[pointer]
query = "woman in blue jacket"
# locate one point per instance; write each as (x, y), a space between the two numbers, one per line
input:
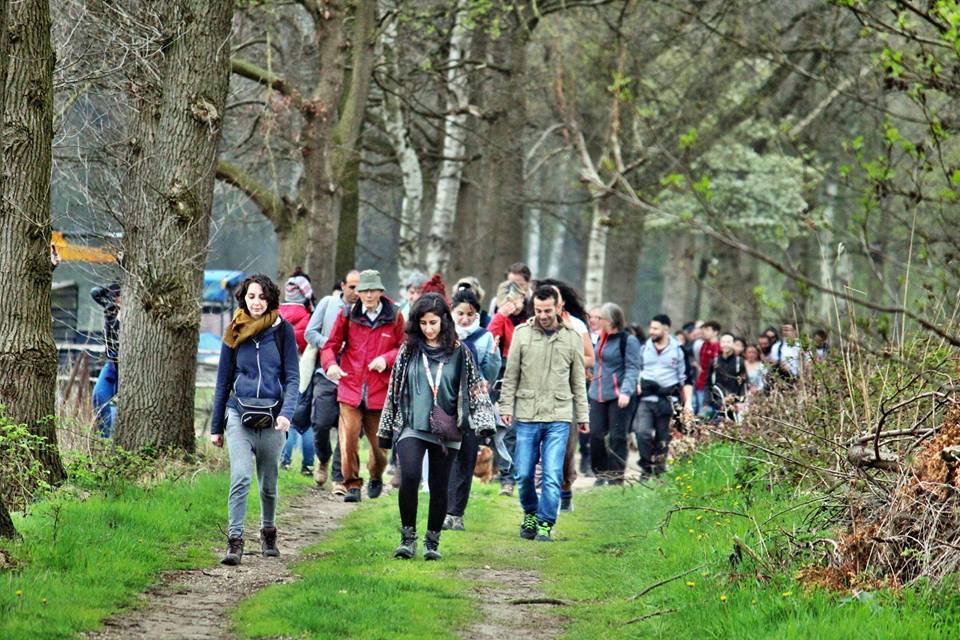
(611, 393)
(257, 388)
(486, 354)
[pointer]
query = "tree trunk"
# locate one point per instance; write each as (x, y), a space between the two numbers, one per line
(679, 275)
(166, 221)
(501, 193)
(349, 218)
(398, 132)
(732, 301)
(454, 145)
(28, 355)
(6, 522)
(596, 254)
(334, 125)
(623, 261)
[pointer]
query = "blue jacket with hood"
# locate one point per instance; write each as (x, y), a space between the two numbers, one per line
(260, 372)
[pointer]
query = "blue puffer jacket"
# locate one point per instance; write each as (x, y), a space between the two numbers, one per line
(259, 373)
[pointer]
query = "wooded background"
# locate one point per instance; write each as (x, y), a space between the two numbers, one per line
(741, 160)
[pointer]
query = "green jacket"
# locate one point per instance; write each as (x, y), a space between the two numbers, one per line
(545, 381)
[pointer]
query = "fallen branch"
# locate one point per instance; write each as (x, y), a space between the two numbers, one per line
(559, 603)
(663, 582)
(661, 612)
(862, 457)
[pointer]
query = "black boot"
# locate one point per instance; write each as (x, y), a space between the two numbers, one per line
(408, 543)
(431, 545)
(234, 551)
(268, 542)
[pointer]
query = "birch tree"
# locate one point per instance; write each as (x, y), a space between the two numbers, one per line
(396, 125)
(28, 355)
(454, 144)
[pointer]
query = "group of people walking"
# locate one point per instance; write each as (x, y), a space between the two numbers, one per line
(427, 382)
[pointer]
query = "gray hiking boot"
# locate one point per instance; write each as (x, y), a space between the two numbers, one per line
(453, 523)
(268, 542)
(431, 545)
(234, 552)
(408, 543)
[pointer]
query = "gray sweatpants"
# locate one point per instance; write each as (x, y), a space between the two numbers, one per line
(244, 446)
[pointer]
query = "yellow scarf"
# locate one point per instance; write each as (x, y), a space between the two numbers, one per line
(243, 327)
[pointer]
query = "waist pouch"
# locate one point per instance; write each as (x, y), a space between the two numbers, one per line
(258, 413)
(443, 425)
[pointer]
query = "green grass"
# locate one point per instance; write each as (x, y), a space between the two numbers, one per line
(608, 550)
(82, 559)
(616, 550)
(357, 590)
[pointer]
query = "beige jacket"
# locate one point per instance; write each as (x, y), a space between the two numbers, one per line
(545, 381)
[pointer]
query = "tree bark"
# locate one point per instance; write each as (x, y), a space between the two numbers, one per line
(454, 145)
(167, 204)
(680, 274)
(398, 132)
(333, 124)
(597, 254)
(501, 193)
(7, 529)
(28, 355)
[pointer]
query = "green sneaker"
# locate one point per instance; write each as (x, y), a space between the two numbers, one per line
(528, 528)
(543, 532)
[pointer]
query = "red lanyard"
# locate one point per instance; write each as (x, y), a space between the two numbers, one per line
(435, 388)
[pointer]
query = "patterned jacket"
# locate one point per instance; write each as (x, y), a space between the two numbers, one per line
(474, 409)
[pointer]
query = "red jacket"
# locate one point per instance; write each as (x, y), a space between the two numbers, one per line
(708, 353)
(502, 327)
(297, 315)
(358, 342)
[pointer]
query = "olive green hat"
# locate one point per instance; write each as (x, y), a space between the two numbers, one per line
(370, 280)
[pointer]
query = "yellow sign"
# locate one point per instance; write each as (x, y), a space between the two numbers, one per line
(76, 253)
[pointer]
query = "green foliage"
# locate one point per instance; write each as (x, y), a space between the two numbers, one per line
(741, 190)
(21, 467)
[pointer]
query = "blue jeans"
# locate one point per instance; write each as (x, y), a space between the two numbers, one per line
(293, 436)
(103, 393)
(698, 401)
(546, 442)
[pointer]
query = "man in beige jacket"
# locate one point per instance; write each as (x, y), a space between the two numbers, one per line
(544, 390)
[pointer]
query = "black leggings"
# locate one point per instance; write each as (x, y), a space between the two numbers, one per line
(461, 475)
(410, 452)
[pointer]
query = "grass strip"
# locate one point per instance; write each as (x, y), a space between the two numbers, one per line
(81, 558)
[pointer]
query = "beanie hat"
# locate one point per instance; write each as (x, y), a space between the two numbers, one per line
(298, 290)
(435, 285)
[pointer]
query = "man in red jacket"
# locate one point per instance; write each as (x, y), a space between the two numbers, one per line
(366, 337)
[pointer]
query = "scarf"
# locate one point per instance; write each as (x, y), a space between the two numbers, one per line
(243, 327)
(465, 332)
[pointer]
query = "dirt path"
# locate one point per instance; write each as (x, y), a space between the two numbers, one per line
(194, 604)
(511, 605)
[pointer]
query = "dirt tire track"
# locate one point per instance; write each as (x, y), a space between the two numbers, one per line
(195, 604)
(494, 591)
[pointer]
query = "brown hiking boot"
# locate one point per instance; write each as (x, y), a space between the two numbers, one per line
(234, 552)
(268, 542)
(320, 474)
